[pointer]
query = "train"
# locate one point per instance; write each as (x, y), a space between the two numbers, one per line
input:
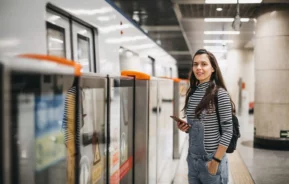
(94, 33)
(86, 96)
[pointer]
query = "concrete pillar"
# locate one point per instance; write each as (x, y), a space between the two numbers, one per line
(272, 75)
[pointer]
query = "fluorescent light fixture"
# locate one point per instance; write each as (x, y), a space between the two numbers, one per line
(219, 9)
(159, 42)
(232, 1)
(219, 41)
(224, 19)
(215, 49)
(222, 32)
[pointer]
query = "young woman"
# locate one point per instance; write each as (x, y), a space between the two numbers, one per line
(207, 161)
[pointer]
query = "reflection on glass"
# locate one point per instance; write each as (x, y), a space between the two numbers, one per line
(83, 51)
(92, 132)
(39, 147)
(55, 40)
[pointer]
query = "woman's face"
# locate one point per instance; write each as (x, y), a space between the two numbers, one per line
(202, 68)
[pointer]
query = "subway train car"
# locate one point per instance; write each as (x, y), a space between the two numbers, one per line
(93, 33)
(85, 96)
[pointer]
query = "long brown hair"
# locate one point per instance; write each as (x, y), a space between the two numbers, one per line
(216, 82)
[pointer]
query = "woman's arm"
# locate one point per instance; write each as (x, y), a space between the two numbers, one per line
(225, 113)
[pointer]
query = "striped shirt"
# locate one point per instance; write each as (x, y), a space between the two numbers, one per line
(212, 136)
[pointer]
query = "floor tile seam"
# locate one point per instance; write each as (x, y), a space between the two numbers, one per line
(240, 157)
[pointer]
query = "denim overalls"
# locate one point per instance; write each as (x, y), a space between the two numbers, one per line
(198, 158)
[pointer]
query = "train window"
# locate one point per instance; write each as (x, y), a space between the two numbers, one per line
(55, 40)
(58, 35)
(83, 51)
(82, 37)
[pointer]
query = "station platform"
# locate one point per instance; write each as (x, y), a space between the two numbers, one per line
(247, 164)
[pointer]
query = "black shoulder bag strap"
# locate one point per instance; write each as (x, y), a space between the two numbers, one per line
(217, 111)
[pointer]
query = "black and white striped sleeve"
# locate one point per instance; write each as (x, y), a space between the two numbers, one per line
(225, 113)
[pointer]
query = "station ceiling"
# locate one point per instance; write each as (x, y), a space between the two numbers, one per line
(179, 26)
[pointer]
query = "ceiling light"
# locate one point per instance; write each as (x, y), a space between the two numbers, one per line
(232, 1)
(219, 41)
(219, 9)
(221, 32)
(159, 42)
(224, 19)
(216, 49)
(220, 47)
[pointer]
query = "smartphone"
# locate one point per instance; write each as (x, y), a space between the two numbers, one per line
(177, 119)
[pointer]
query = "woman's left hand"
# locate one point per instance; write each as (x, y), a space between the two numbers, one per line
(213, 167)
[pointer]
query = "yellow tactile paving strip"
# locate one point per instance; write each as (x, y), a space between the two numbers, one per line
(239, 172)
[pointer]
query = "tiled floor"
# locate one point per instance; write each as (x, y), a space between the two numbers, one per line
(265, 166)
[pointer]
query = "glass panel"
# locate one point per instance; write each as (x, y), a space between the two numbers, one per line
(83, 51)
(165, 126)
(93, 131)
(82, 37)
(55, 40)
(41, 106)
(58, 35)
(121, 131)
(153, 129)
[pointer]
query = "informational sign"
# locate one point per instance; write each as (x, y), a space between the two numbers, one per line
(49, 145)
(284, 134)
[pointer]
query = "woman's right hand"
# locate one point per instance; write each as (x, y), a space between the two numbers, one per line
(183, 126)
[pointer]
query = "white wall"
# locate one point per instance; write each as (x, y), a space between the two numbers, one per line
(239, 64)
(249, 75)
